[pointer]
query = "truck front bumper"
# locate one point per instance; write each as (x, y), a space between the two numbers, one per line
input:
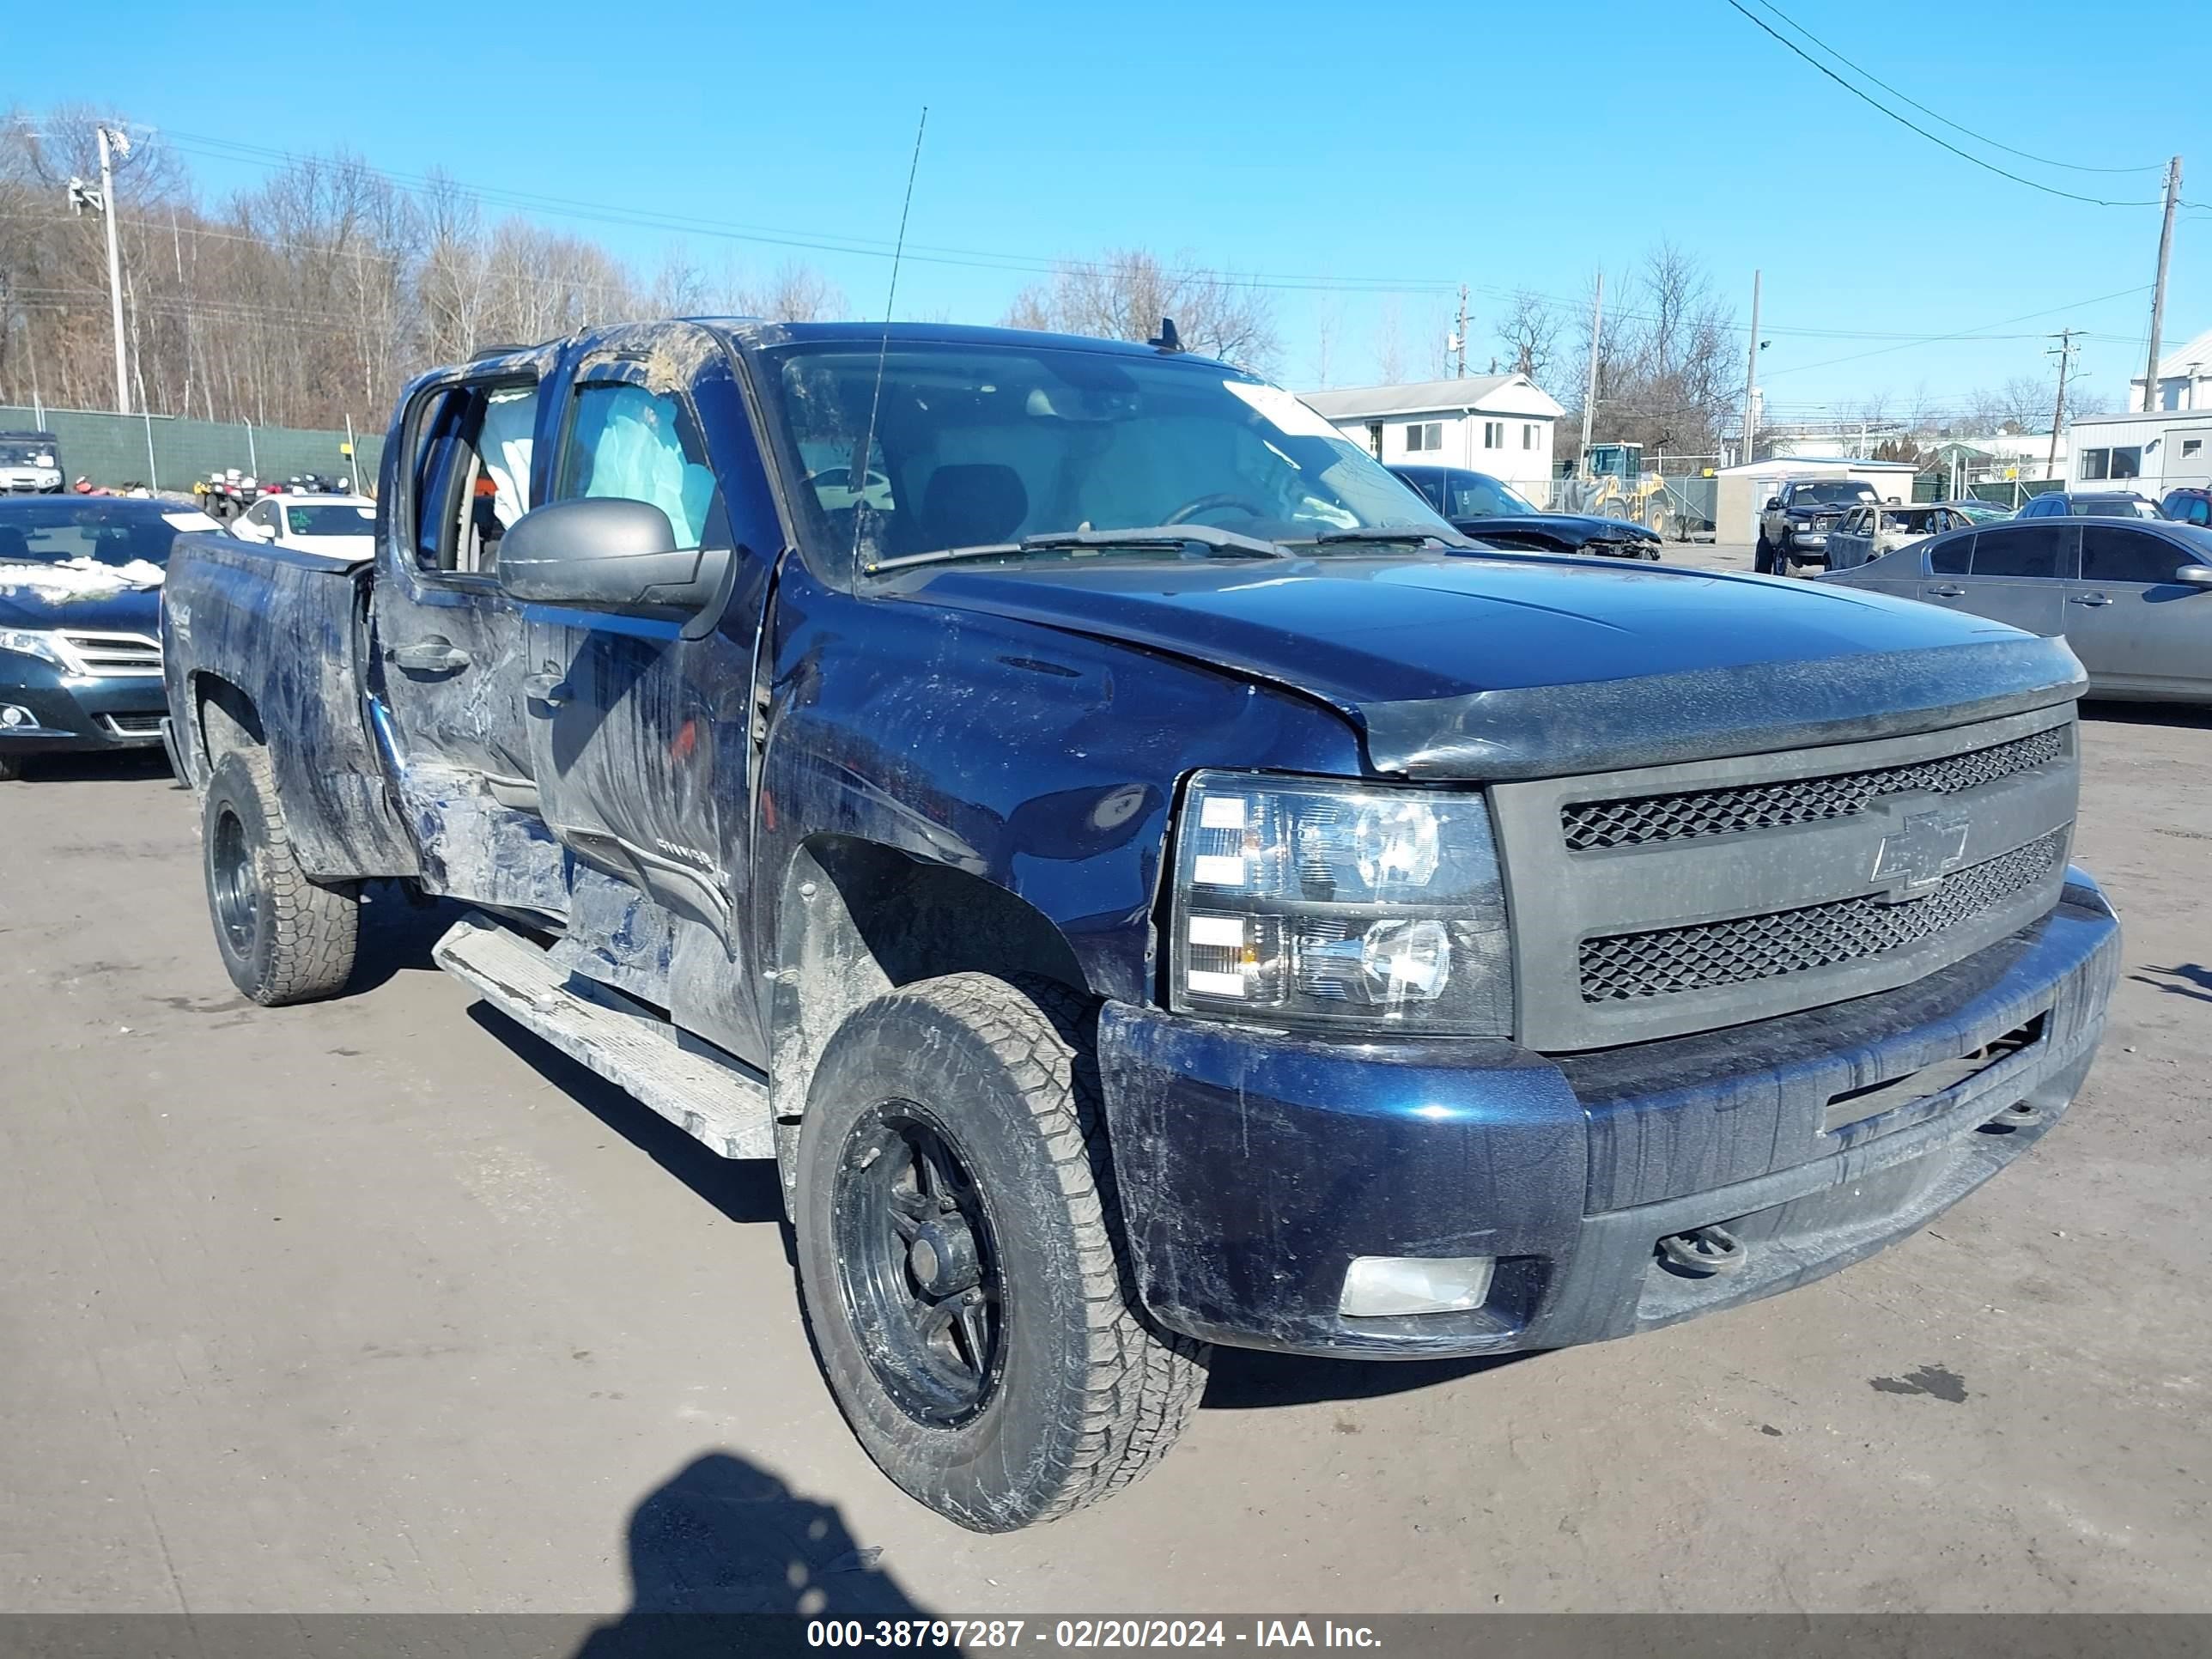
(1253, 1166)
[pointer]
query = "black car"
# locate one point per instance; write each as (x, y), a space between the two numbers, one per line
(80, 609)
(2089, 504)
(1479, 506)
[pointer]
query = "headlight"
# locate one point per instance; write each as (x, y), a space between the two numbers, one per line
(1340, 904)
(37, 642)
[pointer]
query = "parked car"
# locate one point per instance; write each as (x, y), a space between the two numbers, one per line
(1794, 525)
(2089, 504)
(1867, 532)
(2131, 598)
(1483, 507)
(2188, 505)
(342, 526)
(79, 587)
(30, 463)
(1152, 883)
(1980, 512)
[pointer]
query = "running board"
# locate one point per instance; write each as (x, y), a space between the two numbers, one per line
(711, 1098)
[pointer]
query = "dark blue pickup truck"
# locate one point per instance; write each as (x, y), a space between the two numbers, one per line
(1147, 881)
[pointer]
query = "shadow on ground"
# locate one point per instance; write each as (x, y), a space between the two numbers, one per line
(724, 1541)
(1244, 1380)
(100, 766)
(2190, 979)
(745, 1190)
(2188, 716)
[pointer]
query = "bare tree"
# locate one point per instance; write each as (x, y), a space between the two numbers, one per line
(1529, 332)
(793, 292)
(1390, 345)
(1669, 368)
(1124, 293)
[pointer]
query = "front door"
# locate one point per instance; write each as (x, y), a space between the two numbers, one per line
(446, 681)
(639, 724)
(2134, 626)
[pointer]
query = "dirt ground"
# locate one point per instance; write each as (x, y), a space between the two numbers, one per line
(379, 1305)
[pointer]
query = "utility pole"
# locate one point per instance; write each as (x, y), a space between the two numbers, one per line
(2158, 293)
(1751, 378)
(118, 140)
(2064, 352)
(1589, 390)
(1459, 337)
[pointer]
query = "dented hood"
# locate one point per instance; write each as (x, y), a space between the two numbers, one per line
(1504, 665)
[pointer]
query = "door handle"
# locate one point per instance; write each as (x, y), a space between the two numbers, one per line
(433, 655)
(1946, 591)
(2087, 598)
(550, 689)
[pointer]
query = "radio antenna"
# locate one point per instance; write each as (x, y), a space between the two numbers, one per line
(857, 479)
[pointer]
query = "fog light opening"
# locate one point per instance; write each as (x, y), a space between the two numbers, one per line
(14, 716)
(1383, 1287)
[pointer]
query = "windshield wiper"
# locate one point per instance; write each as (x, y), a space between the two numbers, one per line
(1220, 543)
(1389, 532)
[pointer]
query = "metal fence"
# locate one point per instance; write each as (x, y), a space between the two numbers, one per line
(167, 451)
(1674, 506)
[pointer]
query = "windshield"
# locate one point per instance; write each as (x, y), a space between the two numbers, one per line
(329, 519)
(16, 451)
(113, 533)
(982, 443)
(1832, 494)
(1476, 495)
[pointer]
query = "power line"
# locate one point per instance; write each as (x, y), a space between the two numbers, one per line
(1979, 137)
(1865, 97)
(1963, 333)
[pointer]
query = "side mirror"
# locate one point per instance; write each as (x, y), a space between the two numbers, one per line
(605, 553)
(2197, 575)
(1773, 503)
(1892, 500)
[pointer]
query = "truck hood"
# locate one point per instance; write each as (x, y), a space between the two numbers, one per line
(1501, 665)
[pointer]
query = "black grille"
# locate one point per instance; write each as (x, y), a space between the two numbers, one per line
(1709, 955)
(1589, 825)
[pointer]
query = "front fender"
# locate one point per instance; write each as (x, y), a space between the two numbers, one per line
(1041, 761)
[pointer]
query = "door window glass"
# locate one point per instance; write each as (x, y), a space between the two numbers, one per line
(470, 474)
(628, 442)
(2112, 553)
(2027, 549)
(1950, 556)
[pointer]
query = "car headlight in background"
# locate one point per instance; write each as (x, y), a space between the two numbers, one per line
(1341, 903)
(40, 643)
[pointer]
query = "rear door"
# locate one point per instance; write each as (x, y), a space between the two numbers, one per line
(2134, 626)
(2018, 574)
(447, 679)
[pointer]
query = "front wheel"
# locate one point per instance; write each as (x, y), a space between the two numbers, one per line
(955, 1215)
(283, 937)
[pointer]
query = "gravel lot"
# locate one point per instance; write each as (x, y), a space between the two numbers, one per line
(379, 1305)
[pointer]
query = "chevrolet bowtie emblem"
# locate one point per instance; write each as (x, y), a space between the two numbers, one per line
(1914, 858)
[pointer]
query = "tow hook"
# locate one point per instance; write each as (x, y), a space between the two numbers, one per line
(2021, 1115)
(1705, 1252)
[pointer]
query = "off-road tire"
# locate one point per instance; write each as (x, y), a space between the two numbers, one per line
(301, 940)
(1762, 557)
(1091, 1394)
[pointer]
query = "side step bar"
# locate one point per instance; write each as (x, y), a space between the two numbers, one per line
(711, 1097)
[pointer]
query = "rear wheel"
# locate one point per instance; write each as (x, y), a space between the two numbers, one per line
(1762, 556)
(282, 937)
(11, 767)
(955, 1217)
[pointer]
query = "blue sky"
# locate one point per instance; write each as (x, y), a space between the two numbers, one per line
(1500, 145)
